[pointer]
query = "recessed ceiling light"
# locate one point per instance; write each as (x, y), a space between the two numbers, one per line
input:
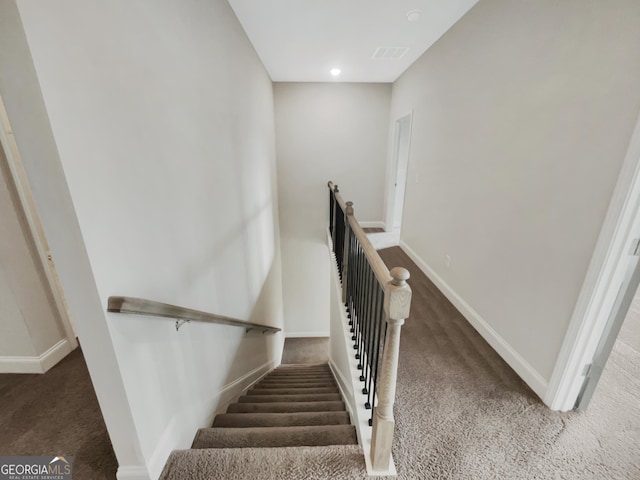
(335, 72)
(414, 15)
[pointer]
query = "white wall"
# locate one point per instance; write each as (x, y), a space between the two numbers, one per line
(27, 113)
(163, 119)
(324, 131)
(522, 114)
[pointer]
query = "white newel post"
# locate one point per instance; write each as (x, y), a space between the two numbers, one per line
(345, 258)
(397, 303)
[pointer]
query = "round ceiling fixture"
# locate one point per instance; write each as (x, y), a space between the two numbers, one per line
(414, 15)
(335, 72)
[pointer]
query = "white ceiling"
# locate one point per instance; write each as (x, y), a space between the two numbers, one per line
(301, 40)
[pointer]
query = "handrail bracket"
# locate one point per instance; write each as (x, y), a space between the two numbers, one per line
(181, 322)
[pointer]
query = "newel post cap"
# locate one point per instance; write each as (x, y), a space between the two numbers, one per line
(349, 208)
(400, 276)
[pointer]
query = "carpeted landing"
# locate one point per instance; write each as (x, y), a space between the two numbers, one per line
(293, 421)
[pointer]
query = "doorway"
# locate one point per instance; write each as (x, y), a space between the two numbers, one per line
(607, 293)
(625, 312)
(15, 176)
(398, 173)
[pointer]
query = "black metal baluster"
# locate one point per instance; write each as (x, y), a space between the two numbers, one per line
(338, 247)
(383, 336)
(358, 304)
(354, 296)
(378, 319)
(351, 279)
(361, 316)
(331, 212)
(375, 288)
(364, 317)
(367, 329)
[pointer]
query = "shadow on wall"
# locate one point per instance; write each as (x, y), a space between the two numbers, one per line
(254, 233)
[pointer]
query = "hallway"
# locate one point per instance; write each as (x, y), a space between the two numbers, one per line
(462, 413)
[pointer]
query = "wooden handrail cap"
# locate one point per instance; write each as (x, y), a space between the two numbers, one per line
(400, 275)
(349, 208)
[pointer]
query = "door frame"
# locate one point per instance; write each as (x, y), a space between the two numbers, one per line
(601, 286)
(394, 158)
(19, 178)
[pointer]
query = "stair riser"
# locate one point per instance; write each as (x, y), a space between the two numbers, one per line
(281, 386)
(245, 420)
(275, 437)
(291, 391)
(295, 385)
(331, 397)
(298, 379)
(318, 372)
(284, 407)
(301, 370)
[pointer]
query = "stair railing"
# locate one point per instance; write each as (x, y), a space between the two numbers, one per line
(377, 302)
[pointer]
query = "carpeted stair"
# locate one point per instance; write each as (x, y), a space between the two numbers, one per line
(292, 408)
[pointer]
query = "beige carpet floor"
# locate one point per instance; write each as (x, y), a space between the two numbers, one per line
(462, 413)
(57, 414)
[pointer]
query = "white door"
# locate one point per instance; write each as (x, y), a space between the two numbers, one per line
(401, 162)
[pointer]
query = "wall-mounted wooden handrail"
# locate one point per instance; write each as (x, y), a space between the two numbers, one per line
(141, 306)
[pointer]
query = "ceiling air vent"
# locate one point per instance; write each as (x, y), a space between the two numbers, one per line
(391, 53)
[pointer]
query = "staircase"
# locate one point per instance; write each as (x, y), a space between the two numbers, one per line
(291, 409)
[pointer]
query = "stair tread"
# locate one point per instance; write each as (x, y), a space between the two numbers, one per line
(286, 463)
(280, 419)
(275, 436)
(286, 407)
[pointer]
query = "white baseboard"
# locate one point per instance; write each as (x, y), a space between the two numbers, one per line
(132, 473)
(372, 225)
(344, 391)
(306, 334)
(529, 374)
(230, 392)
(56, 353)
(181, 429)
(39, 364)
